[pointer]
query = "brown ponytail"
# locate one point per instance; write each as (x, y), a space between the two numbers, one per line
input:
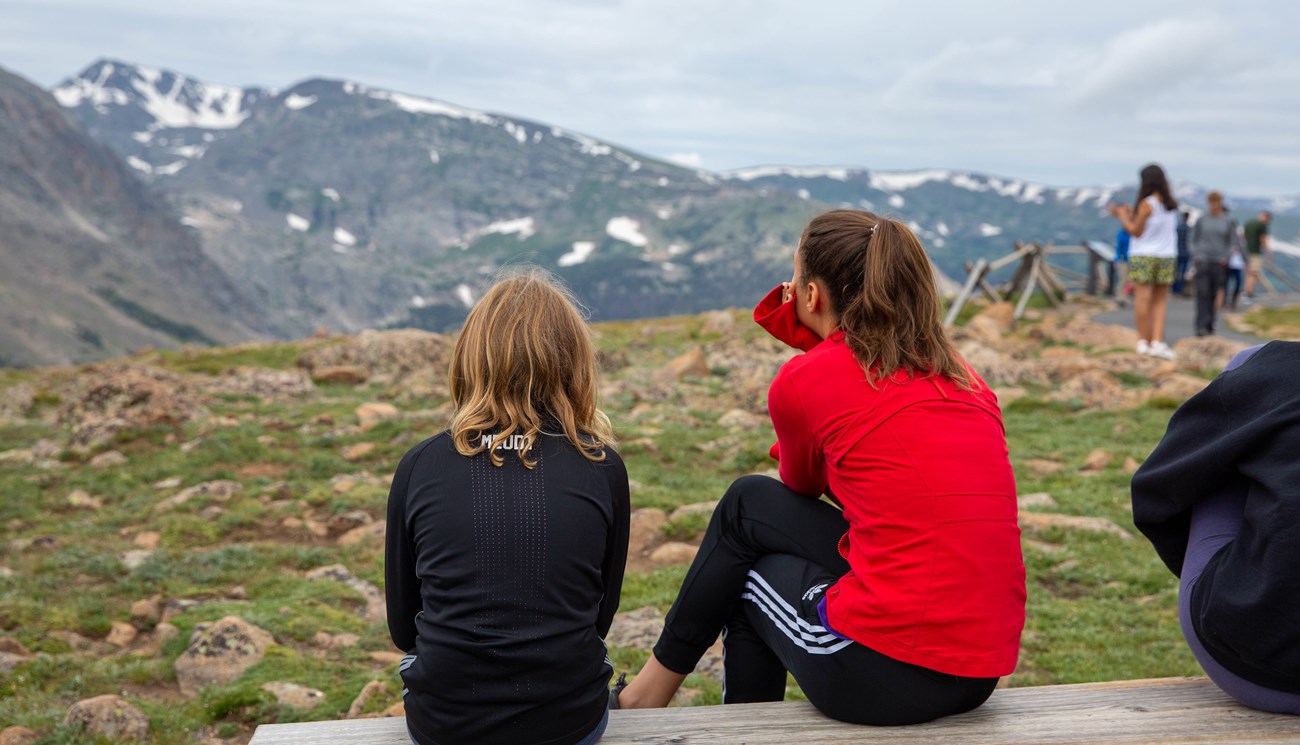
(881, 286)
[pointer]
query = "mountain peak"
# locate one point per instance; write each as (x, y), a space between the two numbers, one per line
(147, 98)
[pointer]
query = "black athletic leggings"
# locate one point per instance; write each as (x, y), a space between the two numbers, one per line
(768, 556)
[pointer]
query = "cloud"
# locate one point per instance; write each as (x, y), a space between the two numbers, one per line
(1145, 63)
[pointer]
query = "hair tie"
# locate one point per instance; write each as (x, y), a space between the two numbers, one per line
(872, 232)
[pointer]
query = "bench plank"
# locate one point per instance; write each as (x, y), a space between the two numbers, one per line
(1166, 710)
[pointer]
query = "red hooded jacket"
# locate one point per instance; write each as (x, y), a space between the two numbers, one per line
(922, 472)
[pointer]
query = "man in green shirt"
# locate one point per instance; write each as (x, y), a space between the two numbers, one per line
(1257, 250)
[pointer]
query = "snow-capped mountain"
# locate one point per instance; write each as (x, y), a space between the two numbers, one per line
(349, 206)
(158, 119)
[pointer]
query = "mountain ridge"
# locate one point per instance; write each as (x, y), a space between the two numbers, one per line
(332, 203)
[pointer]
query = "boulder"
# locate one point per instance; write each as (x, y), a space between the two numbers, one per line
(674, 552)
(1206, 353)
(220, 490)
(373, 690)
(81, 500)
(220, 654)
(1035, 500)
(122, 634)
(693, 363)
(993, 322)
(147, 612)
(114, 398)
(261, 383)
(358, 450)
(326, 640)
(739, 419)
(644, 531)
(16, 735)
(1095, 390)
(371, 532)
(1042, 467)
(385, 356)
(340, 375)
(108, 716)
(148, 539)
(376, 610)
(294, 695)
(697, 508)
(108, 459)
(371, 413)
(1041, 520)
(1096, 461)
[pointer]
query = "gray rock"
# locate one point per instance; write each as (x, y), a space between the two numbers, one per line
(108, 716)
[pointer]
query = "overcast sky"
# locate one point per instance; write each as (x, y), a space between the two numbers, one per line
(1080, 93)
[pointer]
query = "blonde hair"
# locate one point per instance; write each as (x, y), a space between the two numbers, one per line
(525, 354)
(882, 289)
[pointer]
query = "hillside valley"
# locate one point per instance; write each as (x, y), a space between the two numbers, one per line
(160, 505)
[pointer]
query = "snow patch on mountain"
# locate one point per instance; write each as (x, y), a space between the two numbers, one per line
(465, 295)
(896, 201)
(901, 181)
(514, 130)
(750, 174)
(344, 238)
(627, 230)
(524, 227)
(988, 231)
(297, 102)
(418, 105)
(579, 253)
(139, 165)
(297, 222)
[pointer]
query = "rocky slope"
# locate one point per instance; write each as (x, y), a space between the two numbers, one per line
(95, 263)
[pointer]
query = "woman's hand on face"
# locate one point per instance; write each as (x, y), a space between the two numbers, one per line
(787, 292)
(1120, 210)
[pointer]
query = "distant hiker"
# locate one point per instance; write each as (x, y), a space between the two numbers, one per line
(1258, 251)
(1213, 238)
(1184, 256)
(1218, 498)
(906, 602)
(1153, 254)
(1236, 277)
(1119, 268)
(507, 535)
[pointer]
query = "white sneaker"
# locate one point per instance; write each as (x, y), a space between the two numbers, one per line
(1161, 350)
(1143, 347)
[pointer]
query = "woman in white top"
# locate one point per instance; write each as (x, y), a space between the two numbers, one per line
(1153, 253)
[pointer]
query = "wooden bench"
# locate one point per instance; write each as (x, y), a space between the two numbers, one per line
(1165, 710)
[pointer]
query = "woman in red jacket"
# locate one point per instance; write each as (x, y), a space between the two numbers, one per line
(904, 600)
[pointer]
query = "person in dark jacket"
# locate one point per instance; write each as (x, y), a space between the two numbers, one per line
(507, 535)
(1219, 498)
(1184, 256)
(1213, 239)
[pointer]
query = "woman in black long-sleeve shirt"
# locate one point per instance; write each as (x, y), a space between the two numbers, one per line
(507, 535)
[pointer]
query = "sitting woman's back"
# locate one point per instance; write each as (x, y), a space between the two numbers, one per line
(507, 535)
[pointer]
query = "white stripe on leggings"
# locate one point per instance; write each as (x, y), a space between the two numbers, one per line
(784, 616)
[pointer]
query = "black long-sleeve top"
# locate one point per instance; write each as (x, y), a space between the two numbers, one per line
(503, 581)
(1241, 434)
